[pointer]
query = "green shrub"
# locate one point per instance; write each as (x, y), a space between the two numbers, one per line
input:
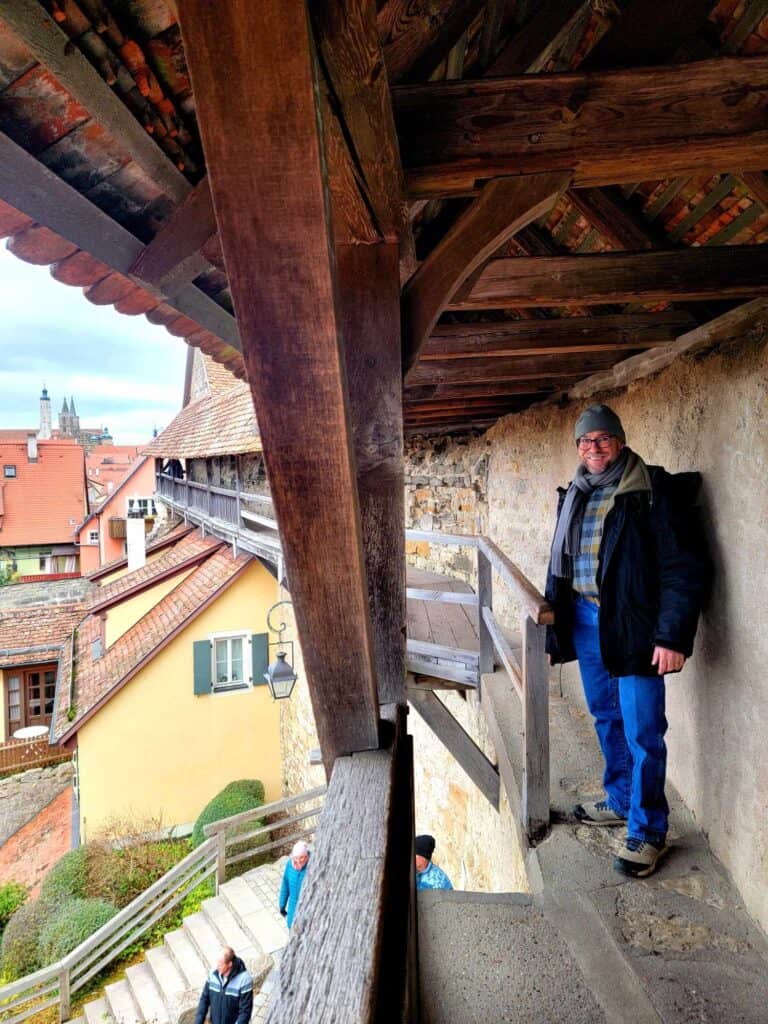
(124, 860)
(12, 895)
(67, 879)
(243, 795)
(18, 953)
(68, 926)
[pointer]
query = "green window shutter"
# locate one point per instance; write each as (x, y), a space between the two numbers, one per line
(259, 658)
(202, 660)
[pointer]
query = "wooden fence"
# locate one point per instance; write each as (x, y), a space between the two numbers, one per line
(529, 673)
(20, 755)
(56, 984)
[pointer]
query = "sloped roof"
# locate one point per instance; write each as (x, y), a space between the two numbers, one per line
(190, 548)
(110, 463)
(36, 634)
(162, 540)
(96, 681)
(45, 502)
(222, 423)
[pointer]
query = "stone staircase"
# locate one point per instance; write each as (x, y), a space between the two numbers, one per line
(164, 988)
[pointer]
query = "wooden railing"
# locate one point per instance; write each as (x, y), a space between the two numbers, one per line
(226, 504)
(529, 673)
(56, 984)
(19, 755)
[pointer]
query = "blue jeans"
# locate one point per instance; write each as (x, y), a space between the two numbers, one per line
(630, 724)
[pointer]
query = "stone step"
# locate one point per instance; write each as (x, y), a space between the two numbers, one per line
(241, 900)
(98, 1012)
(256, 911)
(169, 980)
(122, 1004)
(203, 936)
(229, 929)
(186, 958)
(146, 993)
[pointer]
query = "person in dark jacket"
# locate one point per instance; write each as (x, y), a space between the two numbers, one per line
(228, 992)
(627, 577)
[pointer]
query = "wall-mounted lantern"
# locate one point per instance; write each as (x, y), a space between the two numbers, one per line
(280, 675)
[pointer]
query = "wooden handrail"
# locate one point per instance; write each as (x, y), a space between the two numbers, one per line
(259, 812)
(534, 602)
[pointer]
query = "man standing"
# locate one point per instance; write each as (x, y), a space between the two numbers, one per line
(626, 579)
(428, 875)
(228, 992)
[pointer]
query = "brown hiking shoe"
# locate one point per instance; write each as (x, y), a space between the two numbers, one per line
(639, 857)
(597, 812)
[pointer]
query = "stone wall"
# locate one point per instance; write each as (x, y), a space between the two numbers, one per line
(708, 413)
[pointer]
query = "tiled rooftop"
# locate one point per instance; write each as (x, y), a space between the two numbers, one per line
(39, 626)
(45, 502)
(163, 539)
(99, 679)
(222, 423)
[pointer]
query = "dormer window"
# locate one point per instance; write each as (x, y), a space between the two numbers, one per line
(9, 472)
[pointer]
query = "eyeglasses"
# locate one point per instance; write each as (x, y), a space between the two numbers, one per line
(604, 441)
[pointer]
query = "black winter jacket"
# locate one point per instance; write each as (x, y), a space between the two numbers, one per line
(229, 999)
(652, 576)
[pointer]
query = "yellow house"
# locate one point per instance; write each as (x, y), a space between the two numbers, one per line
(162, 691)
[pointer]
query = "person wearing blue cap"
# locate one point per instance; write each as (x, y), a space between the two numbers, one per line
(627, 576)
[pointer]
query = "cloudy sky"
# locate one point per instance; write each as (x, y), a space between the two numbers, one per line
(123, 372)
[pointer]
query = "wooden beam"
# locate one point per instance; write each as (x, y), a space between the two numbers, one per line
(369, 296)
(458, 371)
(416, 37)
(726, 272)
(271, 206)
(746, 321)
(561, 334)
(352, 60)
(450, 426)
(458, 742)
(505, 206)
(498, 403)
(464, 391)
(174, 251)
(530, 48)
(606, 127)
(649, 33)
(347, 959)
(31, 188)
(54, 50)
(614, 220)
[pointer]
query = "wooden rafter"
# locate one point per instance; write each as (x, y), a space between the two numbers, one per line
(531, 47)
(174, 251)
(649, 33)
(271, 208)
(416, 37)
(607, 127)
(689, 274)
(509, 369)
(505, 206)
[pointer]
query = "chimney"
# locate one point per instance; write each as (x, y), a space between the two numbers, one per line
(32, 447)
(134, 541)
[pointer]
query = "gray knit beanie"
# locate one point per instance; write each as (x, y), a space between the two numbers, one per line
(599, 417)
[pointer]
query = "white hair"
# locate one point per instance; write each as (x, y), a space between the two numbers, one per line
(299, 849)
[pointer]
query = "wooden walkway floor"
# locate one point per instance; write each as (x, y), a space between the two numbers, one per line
(451, 625)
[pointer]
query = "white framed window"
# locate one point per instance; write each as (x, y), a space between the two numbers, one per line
(9, 472)
(93, 536)
(230, 660)
(144, 506)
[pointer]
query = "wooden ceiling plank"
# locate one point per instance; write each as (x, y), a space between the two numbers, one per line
(747, 320)
(648, 32)
(474, 390)
(505, 206)
(531, 47)
(695, 274)
(613, 220)
(28, 20)
(174, 251)
(271, 207)
(479, 371)
(607, 127)
(416, 37)
(30, 187)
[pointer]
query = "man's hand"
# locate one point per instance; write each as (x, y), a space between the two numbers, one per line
(667, 661)
(283, 912)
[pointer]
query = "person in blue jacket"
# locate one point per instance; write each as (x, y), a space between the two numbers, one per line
(228, 992)
(428, 875)
(293, 879)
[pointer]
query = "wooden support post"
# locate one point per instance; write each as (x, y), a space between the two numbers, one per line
(271, 204)
(484, 600)
(221, 858)
(65, 994)
(369, 296)
(536, 724)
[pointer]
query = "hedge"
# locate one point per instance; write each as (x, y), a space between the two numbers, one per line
(71, 925)
(242, 795)
(67, 879)
(19, 952)
(12, 895)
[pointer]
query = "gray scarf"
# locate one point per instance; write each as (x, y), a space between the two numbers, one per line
(567, 540)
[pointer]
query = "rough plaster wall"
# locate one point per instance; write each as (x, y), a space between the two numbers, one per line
(476, 846)
(706, 413)
(298, 734)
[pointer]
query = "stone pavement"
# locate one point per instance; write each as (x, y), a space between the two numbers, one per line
(29, 855)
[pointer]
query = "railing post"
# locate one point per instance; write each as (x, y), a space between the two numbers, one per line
(536, 722)
(65, 997)
(221, 858)
(484, 600)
